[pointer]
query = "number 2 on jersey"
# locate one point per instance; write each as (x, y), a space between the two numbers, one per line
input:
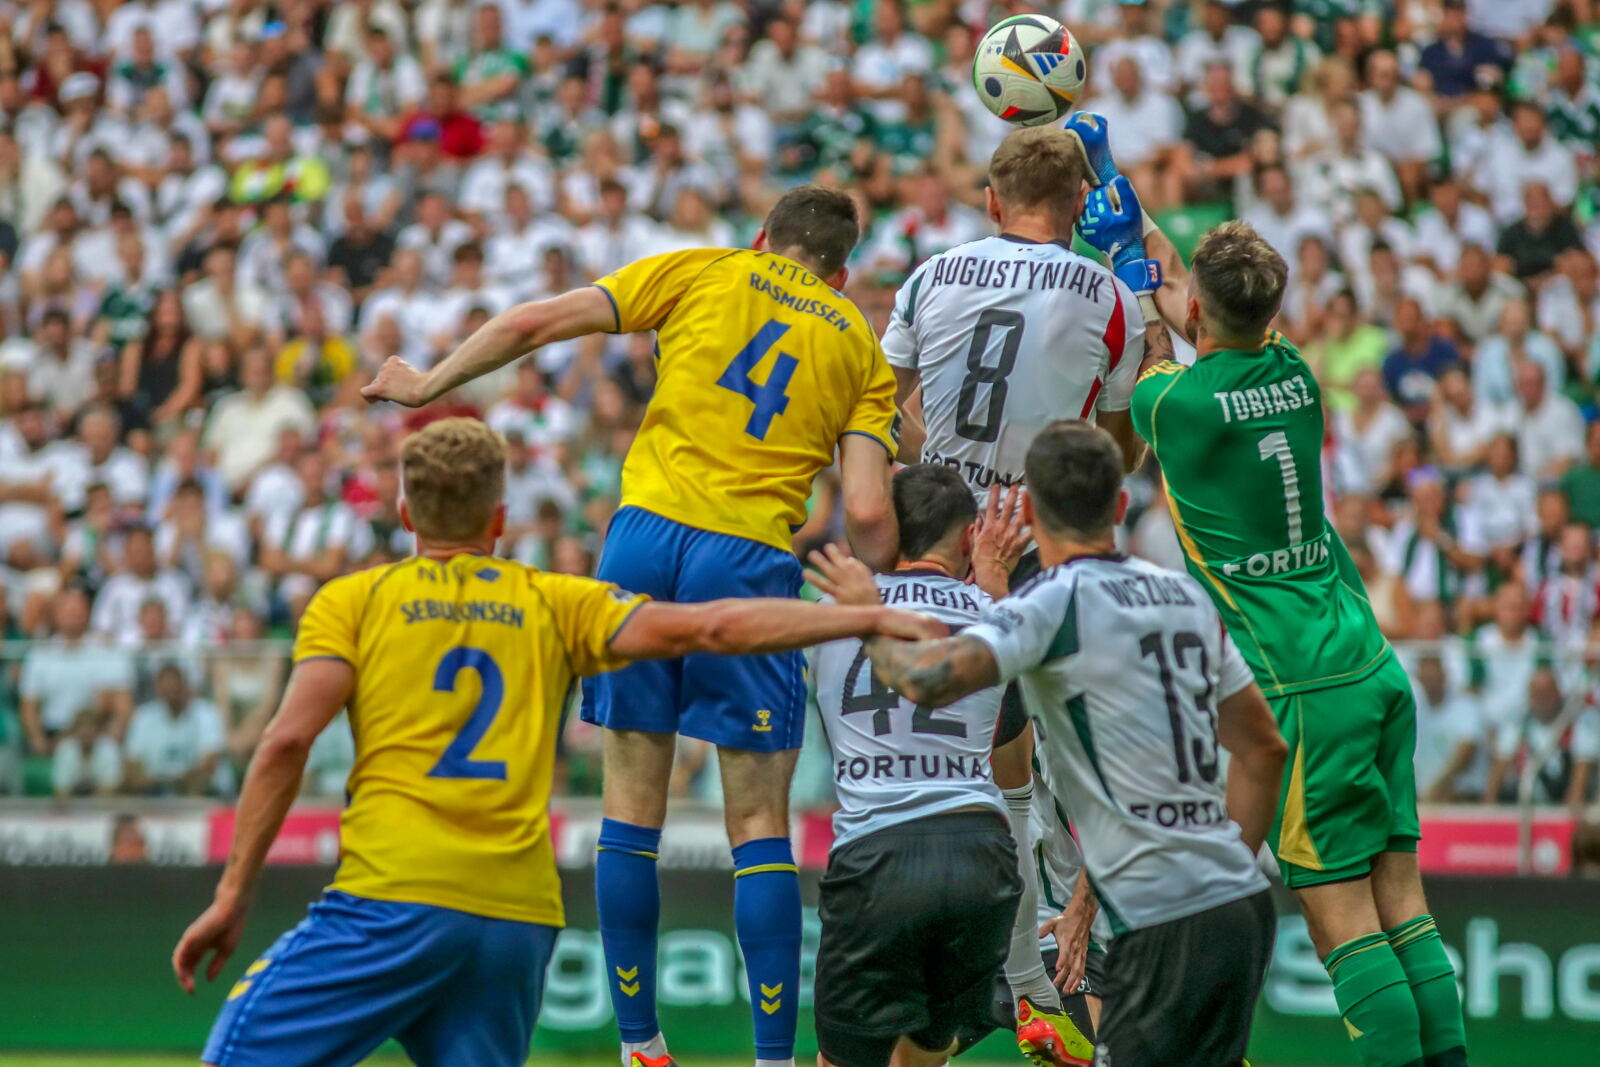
(457, 761)
(1276, 446)
(770, 397)
(881, 700)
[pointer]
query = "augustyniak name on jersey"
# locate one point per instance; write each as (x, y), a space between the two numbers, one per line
(1082, 277)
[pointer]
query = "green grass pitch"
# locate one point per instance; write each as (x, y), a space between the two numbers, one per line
(99, 1060)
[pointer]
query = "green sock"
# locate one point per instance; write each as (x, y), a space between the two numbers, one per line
(1433, 985)
(1376, 1003)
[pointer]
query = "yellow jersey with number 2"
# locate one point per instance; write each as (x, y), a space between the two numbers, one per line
(760, 369)
(462, 669)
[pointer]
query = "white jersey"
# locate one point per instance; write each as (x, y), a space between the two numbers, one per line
(1124, 716)
(893, 760)
(1059, 861)
(1007, 336)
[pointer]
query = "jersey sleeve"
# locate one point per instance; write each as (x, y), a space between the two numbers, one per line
(1147, 393)
(1027, 629)
(1234, 676)
(900, 339)
(588, 614)
(330, 627)
(874, 414)
(1124, 351)
(645, 291)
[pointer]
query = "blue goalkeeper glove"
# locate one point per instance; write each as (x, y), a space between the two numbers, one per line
(1091, 133)
(1113, 225)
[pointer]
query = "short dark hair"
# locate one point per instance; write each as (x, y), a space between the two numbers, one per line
(1074, 472)
(1240, 279)
(819, 221)
(930, 501)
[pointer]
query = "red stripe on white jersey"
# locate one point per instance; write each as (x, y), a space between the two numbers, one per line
(1088, 405)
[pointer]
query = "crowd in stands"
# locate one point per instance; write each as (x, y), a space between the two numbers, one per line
(217, 217)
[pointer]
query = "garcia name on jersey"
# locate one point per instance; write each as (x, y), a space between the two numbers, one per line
(893, 760)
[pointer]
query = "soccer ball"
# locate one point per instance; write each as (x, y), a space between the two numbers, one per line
(1029, 70)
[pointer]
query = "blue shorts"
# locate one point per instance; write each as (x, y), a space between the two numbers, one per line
(455, 989)
(755, 703)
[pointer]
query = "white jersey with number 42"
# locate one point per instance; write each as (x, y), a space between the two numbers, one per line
(1008, 335)
(1123, 665)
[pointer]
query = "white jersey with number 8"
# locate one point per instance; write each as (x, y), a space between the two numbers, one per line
(1008, 335)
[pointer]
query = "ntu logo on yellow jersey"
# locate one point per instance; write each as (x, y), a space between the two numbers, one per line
(763, 722)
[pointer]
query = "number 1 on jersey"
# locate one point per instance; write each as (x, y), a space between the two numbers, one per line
(770, 397)
(1276, 446)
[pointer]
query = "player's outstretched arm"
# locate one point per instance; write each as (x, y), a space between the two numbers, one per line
(1172, 299)
(869, 521)
(1246, 728)
(742, 627)
(317, 690)
(512, 333)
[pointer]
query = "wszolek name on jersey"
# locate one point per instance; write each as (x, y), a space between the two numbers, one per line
(1008, 274)
(1258, 402)
(912, 767)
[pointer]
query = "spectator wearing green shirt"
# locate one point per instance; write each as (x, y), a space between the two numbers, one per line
(490, 76)
(1347, 346)
(1581, 482)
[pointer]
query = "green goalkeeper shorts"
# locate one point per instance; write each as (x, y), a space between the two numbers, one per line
(1349, 791)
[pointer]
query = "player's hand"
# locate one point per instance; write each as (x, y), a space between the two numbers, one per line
(910, 626)
(1002, 538)
(843, 577)
(1092, 133)
(1071, 931)
(1113, 224)
(398, 381)
(216, 933)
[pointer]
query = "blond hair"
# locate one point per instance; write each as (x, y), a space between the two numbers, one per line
(1038, 167)
(1240, 279)
(454, 476)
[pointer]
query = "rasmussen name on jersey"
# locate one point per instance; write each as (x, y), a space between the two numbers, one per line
(1257, 402)
(1018, 274)
(1280, 560)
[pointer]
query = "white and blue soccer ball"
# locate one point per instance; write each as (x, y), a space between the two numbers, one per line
(1029, 70)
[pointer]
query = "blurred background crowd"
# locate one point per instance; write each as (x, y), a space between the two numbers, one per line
(218, 216)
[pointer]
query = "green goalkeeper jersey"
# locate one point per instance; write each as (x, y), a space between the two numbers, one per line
(1239, 436)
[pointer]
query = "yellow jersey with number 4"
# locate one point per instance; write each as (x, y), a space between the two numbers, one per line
(760, 369)
(462, 669)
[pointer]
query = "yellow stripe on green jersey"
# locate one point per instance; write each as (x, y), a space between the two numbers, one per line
(462, 669)
(760, 369)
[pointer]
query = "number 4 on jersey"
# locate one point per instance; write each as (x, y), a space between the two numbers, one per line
(771, 397)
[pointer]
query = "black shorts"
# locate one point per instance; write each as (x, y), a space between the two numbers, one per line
(1185, 991)
(915, 920)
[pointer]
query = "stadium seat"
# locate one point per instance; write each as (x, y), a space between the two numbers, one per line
(1184, 225)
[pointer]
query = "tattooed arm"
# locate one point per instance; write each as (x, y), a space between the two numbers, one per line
(1157, 345)
(934, 673)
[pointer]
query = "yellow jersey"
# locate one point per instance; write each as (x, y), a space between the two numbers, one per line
(462, 669)
(760, 370)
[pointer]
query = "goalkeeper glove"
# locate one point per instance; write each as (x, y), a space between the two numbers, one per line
(1091, 133)
(1113, 224)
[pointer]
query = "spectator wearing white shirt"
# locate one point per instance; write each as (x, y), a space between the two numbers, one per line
(783, 74)
(516, 246)
(96, 454)
(1475, 302)
(932, 223)
(1312, 286)
(1217, 39)
(321, 539)
(244, 427)
(1461, 424)
(542, 420)
(560, 20)
(1369, 429)
(174, 741)
(1399, 122)
(1451, 761)
(383, 86)
(407, 302)
(217, 306)
(69, 673)
(1145, 123)
(1498, 507)
(1277, 215)
(1448, 224)
(1524, 154)
(436, 235)
(190, 533)
(139, 579)
(59, 366)
(614, 237)
(1563, 763)
(1135, 41)
(882, 63)
(1569, 307)
(1334, 176)
(1551, 436)
(266, 250)
(508, 161)
(468, 290)
(1515, 342)
(1566, 603)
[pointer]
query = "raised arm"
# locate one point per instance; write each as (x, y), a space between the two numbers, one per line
(510, 334)
(748, 626)
(317, 690)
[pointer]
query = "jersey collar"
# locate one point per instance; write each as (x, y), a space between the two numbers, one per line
(1014, 239)
(1103, 557)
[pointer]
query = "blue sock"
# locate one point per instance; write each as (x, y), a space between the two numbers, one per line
(766, 914)
(629, 901)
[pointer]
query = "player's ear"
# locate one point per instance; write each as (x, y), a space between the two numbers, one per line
(405, 516)
(1122, 505)
(760, 243)
(836, 281)
(992, 203)
(497, 525)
